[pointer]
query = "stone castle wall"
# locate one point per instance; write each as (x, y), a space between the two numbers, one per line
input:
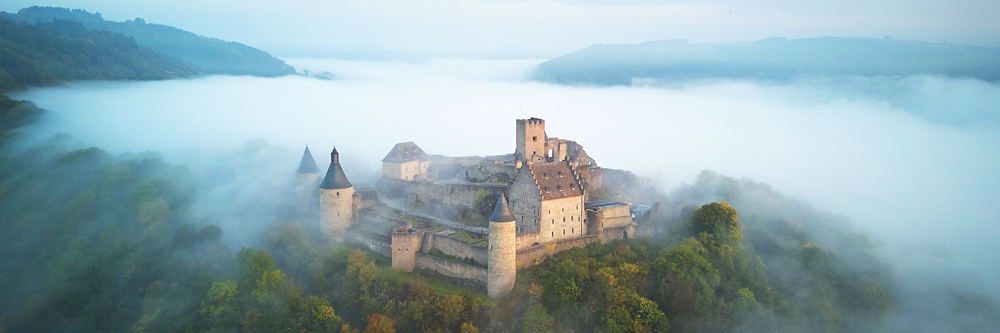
(528, 239)
(652, 230)
(373, 243)
(534, 255)
(617, 233)
(448, 193)
(455, 247)
(469, 276)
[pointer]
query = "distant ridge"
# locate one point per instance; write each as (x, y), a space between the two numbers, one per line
(49, 53)
(769, 59)
(208, 55)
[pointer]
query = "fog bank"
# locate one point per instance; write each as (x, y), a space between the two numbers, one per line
(913, 160)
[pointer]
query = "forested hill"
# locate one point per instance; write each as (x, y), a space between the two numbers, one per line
(770, 59)
(64, 51)
(208, 55)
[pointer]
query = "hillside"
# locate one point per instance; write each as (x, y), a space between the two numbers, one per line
(64, 51)
(770, 59)
(208, 55)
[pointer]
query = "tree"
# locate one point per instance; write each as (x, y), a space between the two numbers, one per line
(361, 273)
(317, 316)
(450, 309)
(253, 264)
(468, 328)
(380, 324)
(718, 219)
(537, 320)
(219, 306)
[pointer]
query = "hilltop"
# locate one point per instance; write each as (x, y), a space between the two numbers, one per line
(207, 55)
(769, 59)
(52, 52)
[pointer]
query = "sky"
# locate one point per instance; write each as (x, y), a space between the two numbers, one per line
(540, 29)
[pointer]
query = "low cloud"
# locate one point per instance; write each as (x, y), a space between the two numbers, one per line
(912, 160)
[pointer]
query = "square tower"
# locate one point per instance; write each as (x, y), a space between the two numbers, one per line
(530, 140)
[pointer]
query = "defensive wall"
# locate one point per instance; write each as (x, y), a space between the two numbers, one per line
(652, 230)
(534, 255)
(449, 193)
(468, 276)
(455, 247)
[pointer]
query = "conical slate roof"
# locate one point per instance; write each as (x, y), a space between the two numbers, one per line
(502, 212)
(308, 164)
(335, 178)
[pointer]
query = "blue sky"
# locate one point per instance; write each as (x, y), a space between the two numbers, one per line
(474, 28)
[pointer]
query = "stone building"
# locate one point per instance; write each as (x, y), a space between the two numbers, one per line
(406, 161)
(542, 208)
(547, 199)
(336, 201)
(502, 259)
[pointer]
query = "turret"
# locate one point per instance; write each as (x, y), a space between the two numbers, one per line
(502, 258)
(306, 181)
(336, 204)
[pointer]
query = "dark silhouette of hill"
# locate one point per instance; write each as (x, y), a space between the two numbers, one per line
(58, 51)
(208, 55)
(770, 59)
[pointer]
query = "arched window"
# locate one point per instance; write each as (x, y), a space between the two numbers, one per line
(564, 219)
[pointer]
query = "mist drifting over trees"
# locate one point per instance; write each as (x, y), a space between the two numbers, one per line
(801, 195)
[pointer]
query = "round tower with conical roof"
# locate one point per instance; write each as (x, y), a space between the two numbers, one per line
(502, 258)
(336, 201)
(307, 181)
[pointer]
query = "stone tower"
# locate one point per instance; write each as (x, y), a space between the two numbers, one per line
(502, 258)
(530, 140)
(336, 201)
(306, 181)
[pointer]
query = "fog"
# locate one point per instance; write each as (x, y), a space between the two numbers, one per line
(539, 28)
(912, 160)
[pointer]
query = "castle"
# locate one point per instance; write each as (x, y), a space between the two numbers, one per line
(420, 213)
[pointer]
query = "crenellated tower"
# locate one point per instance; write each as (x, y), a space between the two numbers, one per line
(530, 140)
(336, 203)
(502, 257)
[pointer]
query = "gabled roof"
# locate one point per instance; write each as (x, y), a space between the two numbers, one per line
(405, 152)
(502, 212)
(555, 180)
(335, 178)
(308, 164)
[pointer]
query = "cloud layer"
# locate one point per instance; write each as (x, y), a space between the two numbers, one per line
(911, 159)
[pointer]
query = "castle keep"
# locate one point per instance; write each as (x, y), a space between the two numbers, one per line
(435, 214)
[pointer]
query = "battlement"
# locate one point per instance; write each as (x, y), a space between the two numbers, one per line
(532, 121)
